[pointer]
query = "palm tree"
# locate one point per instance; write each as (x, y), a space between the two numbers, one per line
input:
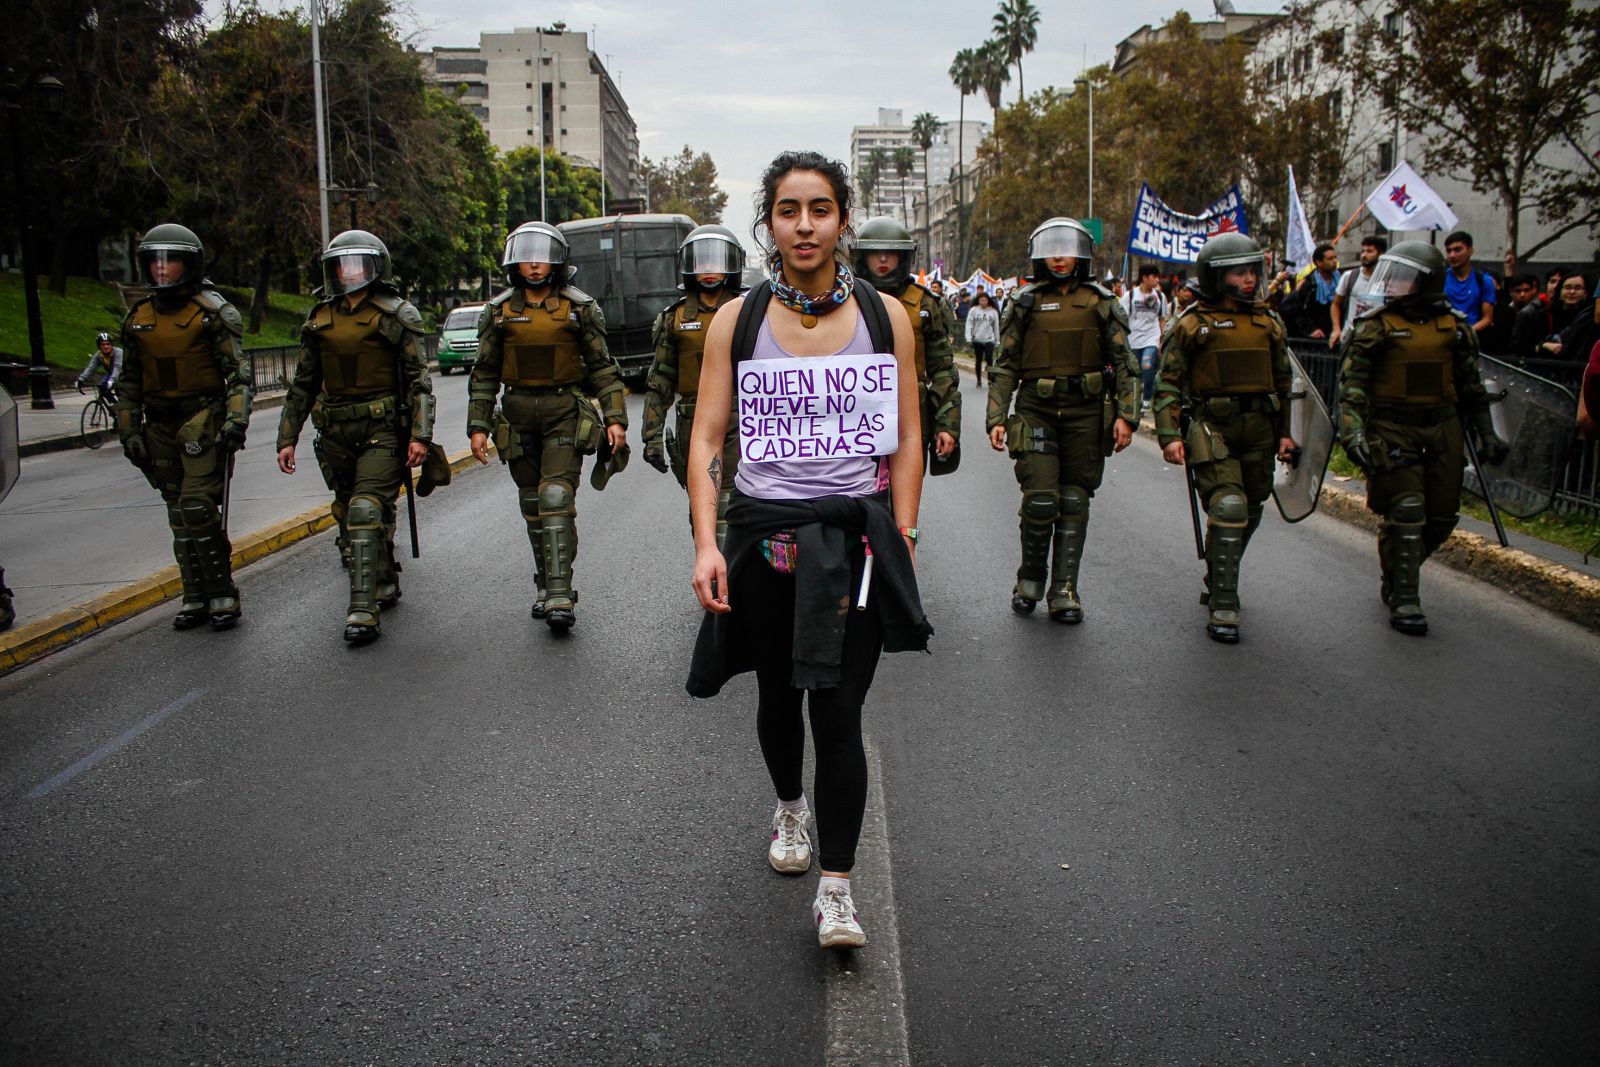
(924, 128)
(993, 70)
(1016, 27)
(904, 161)
(964, 73)
(868, 177)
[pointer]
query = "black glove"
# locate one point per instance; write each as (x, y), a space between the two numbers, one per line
(231, 437)
(1368, 454)
(656, 456)
(136, 450)
(1492, 448)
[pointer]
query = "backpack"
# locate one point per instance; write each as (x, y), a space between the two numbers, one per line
(755, 309)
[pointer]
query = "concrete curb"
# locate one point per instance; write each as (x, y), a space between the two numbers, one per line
(66, 442)
(44, 636)
(1559, 589)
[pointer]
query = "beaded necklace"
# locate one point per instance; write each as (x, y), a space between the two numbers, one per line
(810, 307)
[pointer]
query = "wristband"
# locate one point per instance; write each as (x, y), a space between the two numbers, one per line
(909, 533)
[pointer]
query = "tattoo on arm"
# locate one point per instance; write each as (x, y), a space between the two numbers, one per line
(715, 470)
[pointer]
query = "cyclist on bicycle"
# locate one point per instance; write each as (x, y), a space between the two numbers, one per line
(105, 364)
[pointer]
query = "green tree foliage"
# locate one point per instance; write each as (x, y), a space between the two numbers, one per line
(570, 192)
(685, 184)
(924, 128)
(1016, 32)
(964, 76)
(1506, 92)
(993, 70)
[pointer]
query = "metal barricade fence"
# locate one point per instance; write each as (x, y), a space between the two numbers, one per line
(273, 365)
(1580, 485)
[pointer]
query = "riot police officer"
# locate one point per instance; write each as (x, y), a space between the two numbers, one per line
(1064, 352)
(711, 269)
(884, 256)
(363, 380)
(545, 342)
(1408, 383)
(183, 411)
(1226, 360)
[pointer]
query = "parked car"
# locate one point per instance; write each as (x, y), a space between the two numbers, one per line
(458, 338)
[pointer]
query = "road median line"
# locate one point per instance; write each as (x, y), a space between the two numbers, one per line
(43, 636)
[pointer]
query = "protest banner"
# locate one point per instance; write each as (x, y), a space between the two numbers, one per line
(1161, 233)
(818, 407)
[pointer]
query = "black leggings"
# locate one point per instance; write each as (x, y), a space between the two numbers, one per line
(982, 355)
(764, 603)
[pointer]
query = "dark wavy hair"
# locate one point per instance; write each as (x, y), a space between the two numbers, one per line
(831, 169)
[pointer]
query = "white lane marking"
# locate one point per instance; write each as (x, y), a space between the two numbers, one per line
(866, 1000)
(115, 745)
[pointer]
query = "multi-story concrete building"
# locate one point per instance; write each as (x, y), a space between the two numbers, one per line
(545, 81)
(952, 136)
(894, 195)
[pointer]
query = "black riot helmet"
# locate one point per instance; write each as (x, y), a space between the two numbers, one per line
(884, 234)
(711, 250)
(1412, 272)
(1223, 253)
(1057, 237)
(537, 242)
(352, 261)
(170, 257)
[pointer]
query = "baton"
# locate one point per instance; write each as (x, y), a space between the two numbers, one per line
(227, 491)
(1194, 510)
(411, 514)
(1488, 497)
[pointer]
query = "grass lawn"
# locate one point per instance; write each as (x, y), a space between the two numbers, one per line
(1576, 532)
(70, 322)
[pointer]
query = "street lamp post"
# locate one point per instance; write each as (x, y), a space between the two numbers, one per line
(1089, 88)
(47, 92)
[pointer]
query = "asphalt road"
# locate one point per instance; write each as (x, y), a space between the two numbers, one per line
(475, 842)
(81, 523)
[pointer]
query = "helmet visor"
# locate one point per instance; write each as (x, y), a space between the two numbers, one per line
(711, 255)
(349, 271)
(533, 246)
(1393, 279)
(166, 268)
(1060, 241)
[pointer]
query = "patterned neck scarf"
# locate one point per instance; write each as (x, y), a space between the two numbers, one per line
(795, 300)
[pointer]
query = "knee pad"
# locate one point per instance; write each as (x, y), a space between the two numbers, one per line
(175, 517)
(1436, 532)
(364, 513)
(1229, 506)
(1042, 507)
(197, 512)
(555, 498)
(1074, 502)
(528, 501)
(1409, 510)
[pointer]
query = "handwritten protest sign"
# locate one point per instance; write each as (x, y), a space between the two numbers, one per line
(817, 407)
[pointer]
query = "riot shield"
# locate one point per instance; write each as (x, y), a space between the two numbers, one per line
(1538, 419)
(1297, 485)
(10, 465)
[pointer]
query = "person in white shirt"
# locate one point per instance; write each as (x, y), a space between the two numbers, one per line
(1147, 310)
(983, 331)
(1352, 298)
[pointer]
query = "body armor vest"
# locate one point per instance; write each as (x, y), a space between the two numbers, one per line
(911, 297)
(1062, 339)
(1417, 366)
(539, 345)
(175, 351)
(357, 359)
(1234, 355)
(690, 323)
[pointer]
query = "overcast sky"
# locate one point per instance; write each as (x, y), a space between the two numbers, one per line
(746, 81)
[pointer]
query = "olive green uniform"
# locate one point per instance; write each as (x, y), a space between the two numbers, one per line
(1229, 369)
(184, 378)
(679, 335)
(1409, 376)
(358, 368)
(1064, 352)
(938, 383)
(547, 355)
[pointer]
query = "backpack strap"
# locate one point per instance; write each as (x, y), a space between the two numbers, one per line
(877, 319)
(751, 312)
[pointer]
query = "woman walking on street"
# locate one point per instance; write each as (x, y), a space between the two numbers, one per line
(983, 331)
(806, 537)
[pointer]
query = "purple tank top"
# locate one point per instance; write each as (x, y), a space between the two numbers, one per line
(809, 479)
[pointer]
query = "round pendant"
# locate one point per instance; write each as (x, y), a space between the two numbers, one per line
(808, 321)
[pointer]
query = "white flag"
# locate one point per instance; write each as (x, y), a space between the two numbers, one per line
(1300, 242)
(1403, 201)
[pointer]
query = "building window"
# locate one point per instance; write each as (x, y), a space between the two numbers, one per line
(1392, 24)
(1336, 106)
(528, 85)
(529, 109)
(1386, 156)
(526, 62)
(1330, 223)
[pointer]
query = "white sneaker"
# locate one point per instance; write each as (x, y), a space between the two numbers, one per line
(838, 925)
(790, 851)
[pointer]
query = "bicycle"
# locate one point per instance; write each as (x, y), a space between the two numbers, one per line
(99, 417)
